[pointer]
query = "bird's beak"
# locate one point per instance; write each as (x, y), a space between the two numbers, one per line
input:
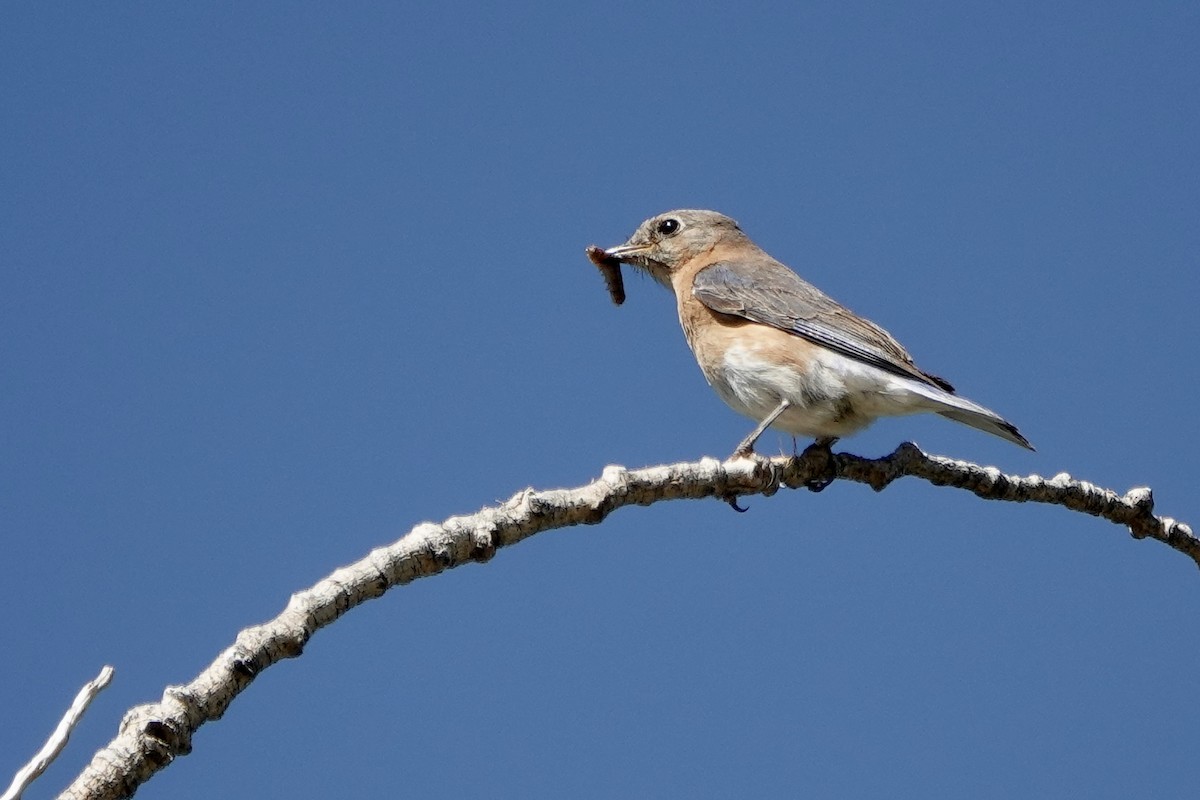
(641, 254)
(627, 253)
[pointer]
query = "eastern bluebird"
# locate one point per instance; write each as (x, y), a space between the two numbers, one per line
(775, 347)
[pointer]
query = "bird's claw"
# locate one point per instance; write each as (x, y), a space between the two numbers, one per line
(732, 500)
(817, 484)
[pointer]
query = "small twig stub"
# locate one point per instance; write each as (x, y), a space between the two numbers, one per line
(610, 268)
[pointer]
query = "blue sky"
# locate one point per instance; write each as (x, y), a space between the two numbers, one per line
(276, 285)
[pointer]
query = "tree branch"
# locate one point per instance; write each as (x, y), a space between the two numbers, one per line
(58, 739)
(152, 735)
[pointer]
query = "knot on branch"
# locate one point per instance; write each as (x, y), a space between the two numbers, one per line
(162, 737)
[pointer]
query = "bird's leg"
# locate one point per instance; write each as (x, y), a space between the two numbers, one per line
(822, 448)
(746, 448)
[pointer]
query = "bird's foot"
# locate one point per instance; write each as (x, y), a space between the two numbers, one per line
(762, 464)
(820, 455)
(743, 451)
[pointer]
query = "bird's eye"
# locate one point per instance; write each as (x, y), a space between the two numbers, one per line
(667, 227)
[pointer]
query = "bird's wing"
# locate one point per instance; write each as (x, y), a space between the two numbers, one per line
(771, 294)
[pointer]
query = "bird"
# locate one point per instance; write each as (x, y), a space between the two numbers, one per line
(779, 350)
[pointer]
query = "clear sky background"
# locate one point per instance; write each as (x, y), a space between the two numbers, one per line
(277, 284)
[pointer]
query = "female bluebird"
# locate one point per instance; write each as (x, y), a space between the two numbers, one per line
(775, 347)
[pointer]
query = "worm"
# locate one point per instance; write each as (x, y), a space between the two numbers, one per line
(610, 268)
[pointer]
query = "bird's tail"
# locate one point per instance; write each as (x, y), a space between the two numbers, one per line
(985, 420)
(960, 409)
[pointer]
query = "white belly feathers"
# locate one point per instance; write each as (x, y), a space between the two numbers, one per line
(835, 397)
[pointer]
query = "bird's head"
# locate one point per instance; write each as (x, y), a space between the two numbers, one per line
(665, 242)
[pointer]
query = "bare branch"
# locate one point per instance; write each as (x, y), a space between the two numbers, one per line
(152, 735)
(58, 740)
